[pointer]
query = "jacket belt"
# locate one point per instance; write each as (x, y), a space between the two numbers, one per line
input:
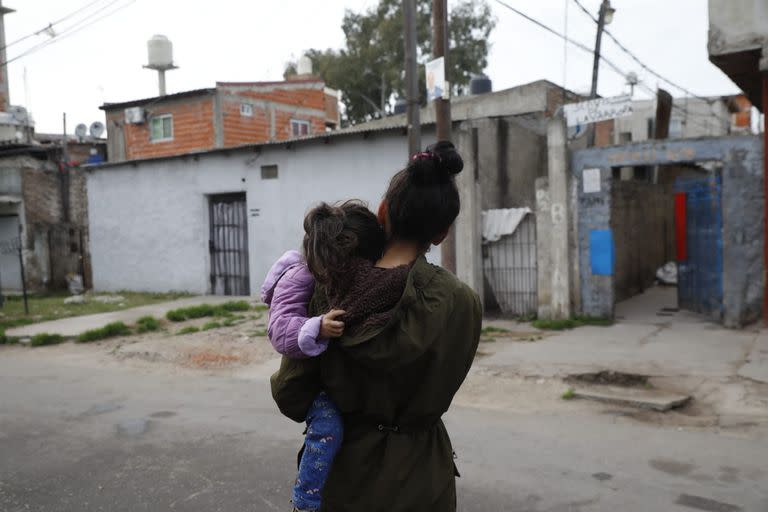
(361, 425)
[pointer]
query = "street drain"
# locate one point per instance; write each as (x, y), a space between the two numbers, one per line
(610, 378)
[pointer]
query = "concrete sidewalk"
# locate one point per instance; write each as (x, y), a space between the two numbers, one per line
(649, 338)
(74, 326)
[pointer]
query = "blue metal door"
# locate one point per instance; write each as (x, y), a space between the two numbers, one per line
(700, 269)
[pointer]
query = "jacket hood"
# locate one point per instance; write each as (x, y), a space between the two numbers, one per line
(286, 261)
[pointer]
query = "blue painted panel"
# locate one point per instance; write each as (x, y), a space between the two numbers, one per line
(602, 254)
(700, 277)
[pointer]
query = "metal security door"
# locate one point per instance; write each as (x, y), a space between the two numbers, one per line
(10, 266)
(229, 245)
(511, 267)
(700, 267)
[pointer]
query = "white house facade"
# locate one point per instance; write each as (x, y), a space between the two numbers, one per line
(150, 220)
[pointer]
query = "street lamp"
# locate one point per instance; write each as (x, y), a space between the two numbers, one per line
(605, 17)
(609, 12)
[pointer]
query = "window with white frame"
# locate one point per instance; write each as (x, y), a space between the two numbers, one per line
(299, 127)
(246, 110)
(161, 128)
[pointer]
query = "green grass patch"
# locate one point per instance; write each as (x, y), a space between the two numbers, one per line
(191, 313)
(207, 310)
(569, 394)
(572, 323)
(108, 331)
(261, 333)
(487, 339)
(233, 320)
(187, 330)
(211, 325)
(235, 306)
(42, 339)
(7, 340)
(261, 307)
(147, 324)
(43, 308)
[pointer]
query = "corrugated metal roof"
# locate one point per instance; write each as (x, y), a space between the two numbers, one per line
(242, 147)
(462, 108)
(71, 139)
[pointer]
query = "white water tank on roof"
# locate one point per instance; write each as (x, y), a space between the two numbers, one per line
(304, 67)
(160, 52)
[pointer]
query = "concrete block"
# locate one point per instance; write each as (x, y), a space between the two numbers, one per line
(650, 399)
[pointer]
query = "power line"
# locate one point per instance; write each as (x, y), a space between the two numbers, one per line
(603, 58)
(71, 30)
(565, 51)
(647, 68)
(634, 57)
(51, 24)
(567, 39)
(62, 35)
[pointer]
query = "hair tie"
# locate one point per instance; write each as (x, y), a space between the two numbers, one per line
(427, 155)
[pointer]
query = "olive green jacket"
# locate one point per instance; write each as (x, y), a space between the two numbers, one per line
(392, 384)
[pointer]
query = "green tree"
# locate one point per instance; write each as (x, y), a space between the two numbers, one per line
(369, 69)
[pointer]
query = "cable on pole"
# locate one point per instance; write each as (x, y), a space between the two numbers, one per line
(71, 30)
(51, 24)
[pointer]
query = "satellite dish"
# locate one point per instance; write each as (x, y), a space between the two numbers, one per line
(97, 129)
(81, 131)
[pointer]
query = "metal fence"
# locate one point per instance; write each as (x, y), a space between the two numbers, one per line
(12, 247)
(510, 266)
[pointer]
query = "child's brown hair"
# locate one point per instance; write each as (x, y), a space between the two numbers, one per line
(336, 234)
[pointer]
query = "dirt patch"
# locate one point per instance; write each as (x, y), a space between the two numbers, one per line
(610, 378)
(216, 349)
(210, 360)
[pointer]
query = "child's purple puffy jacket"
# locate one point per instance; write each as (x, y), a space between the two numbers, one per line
(287, 290)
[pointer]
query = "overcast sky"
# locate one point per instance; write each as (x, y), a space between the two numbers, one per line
(250, 40)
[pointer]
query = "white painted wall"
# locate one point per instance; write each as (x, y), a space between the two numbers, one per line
(149, 220)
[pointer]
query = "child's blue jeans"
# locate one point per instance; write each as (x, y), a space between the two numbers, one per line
(325, 430)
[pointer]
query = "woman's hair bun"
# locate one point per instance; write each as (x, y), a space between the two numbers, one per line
(437, 165)
(448, 158)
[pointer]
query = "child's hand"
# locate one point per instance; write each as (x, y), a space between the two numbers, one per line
(330, 327)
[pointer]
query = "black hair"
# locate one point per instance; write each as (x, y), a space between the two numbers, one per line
(422, 201)
(336, 234)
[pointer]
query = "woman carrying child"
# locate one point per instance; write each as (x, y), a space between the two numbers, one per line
(410, 333)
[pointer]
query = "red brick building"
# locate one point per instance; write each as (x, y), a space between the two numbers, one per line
(229, 115)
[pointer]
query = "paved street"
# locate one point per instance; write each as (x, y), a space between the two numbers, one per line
(80, 434)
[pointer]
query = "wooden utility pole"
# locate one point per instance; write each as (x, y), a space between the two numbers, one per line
(440, 49)
(443, 110)
(605, 7)
(412, 78)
